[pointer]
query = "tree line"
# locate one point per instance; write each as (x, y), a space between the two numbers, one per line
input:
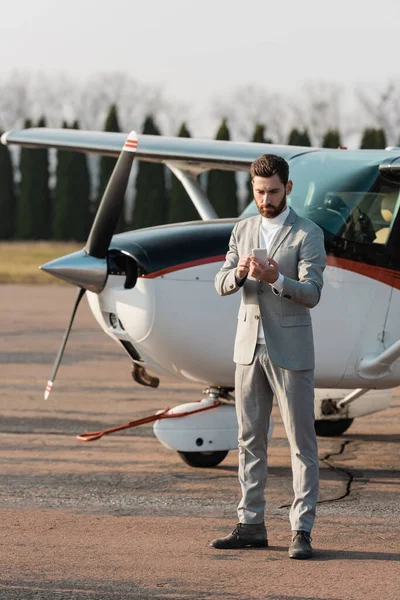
(34, 205)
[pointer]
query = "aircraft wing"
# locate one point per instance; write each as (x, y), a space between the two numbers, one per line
(187, 154)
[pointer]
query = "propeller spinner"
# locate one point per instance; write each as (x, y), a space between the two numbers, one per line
(88, 268)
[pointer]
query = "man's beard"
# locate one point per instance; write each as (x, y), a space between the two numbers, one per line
(270, 212)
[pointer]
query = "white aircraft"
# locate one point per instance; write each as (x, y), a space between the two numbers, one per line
(152, 290)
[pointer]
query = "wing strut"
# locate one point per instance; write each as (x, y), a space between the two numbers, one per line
(378, 366)
(354, 395)
(196, 194)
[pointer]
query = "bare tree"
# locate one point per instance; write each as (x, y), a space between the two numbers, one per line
(317, 107)
(135, 100)
(251, 104)
(382, 107)
(62, 97)
(15, 100)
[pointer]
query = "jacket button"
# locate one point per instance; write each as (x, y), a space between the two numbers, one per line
(257, 317)
(231, 287)
(260, 292)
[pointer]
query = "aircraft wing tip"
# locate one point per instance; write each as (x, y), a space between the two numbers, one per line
(3, 138)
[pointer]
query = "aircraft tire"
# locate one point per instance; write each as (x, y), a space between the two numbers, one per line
(203, 459)
(325, 428)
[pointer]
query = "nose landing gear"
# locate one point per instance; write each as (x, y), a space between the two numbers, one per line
(204, 438)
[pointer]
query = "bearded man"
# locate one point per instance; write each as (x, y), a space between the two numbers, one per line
(274, 350)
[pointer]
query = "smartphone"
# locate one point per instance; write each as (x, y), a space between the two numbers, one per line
(260, 254)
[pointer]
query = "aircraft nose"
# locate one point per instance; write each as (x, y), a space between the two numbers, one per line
(80, 269)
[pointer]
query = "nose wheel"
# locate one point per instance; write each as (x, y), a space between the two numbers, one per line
(202, 432)
(210, 458)
(203, 459)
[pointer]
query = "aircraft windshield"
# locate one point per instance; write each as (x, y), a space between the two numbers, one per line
(345, 195)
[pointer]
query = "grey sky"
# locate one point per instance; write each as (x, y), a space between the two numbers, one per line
(197, 50)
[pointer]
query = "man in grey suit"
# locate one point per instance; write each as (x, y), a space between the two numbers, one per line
(274, 351)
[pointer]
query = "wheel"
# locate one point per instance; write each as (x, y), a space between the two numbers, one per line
(203, 459)
(325, 428)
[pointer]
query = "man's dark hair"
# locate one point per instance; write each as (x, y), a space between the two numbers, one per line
(269, 164)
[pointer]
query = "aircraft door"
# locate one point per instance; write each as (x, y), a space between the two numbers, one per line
(391, 213)
(382, 321)
(357, 216)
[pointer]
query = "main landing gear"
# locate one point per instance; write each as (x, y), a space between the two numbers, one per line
(325, 428)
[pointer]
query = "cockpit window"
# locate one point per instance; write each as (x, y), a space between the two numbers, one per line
(344, 194)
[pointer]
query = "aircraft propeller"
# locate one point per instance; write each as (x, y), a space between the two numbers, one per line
(87, 268)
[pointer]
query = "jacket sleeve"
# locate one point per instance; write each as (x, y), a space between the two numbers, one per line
(226, 281)
(312, 262)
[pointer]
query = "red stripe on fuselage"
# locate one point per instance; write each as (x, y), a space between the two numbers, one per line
(186, 265)
(387, 276)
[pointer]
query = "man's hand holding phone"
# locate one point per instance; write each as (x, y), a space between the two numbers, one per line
(243, 266)
(262, 267)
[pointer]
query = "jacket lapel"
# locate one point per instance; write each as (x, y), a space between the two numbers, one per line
(253, 235)
(283, 233)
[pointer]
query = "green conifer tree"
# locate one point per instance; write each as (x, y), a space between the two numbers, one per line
(305, 139)
(221, 185)
(373, 138)
(151, 203)
(107, 164)
(82, 195)
(61, 226)
(293, 139)
(43, 198)
(331, 139)
(7, 194)
(367, 140)
(380, 137)
(24, 225)
(181, 207)
(33, 206)
(72, 195)
(258, 137)
(299, 138)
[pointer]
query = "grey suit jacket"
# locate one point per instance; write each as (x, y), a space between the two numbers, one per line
(299, 251)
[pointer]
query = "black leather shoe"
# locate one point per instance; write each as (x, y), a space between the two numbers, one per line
(301, 545)
(244, 534)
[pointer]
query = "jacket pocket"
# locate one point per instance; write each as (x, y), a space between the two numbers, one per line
(287, 248)
(295, 320)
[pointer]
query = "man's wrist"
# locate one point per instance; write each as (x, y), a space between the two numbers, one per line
(239, 280)
(278, 284)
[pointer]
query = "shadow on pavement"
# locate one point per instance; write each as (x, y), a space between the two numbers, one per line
(322, 555)
(374, 437)
(103, 590)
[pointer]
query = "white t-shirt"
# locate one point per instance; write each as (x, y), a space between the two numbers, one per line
(268, 230)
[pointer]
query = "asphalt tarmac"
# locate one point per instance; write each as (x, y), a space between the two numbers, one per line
(124, 518)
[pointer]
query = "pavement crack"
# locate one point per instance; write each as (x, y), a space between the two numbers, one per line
(347, 473)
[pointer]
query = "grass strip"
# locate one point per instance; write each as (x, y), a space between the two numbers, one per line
(20, 261)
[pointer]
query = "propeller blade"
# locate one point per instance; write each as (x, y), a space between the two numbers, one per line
(63, 344)
(112, 202)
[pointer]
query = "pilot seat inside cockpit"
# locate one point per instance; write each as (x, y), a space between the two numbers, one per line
(388, 205)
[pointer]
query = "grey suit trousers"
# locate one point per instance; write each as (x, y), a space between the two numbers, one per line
(255, 386)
